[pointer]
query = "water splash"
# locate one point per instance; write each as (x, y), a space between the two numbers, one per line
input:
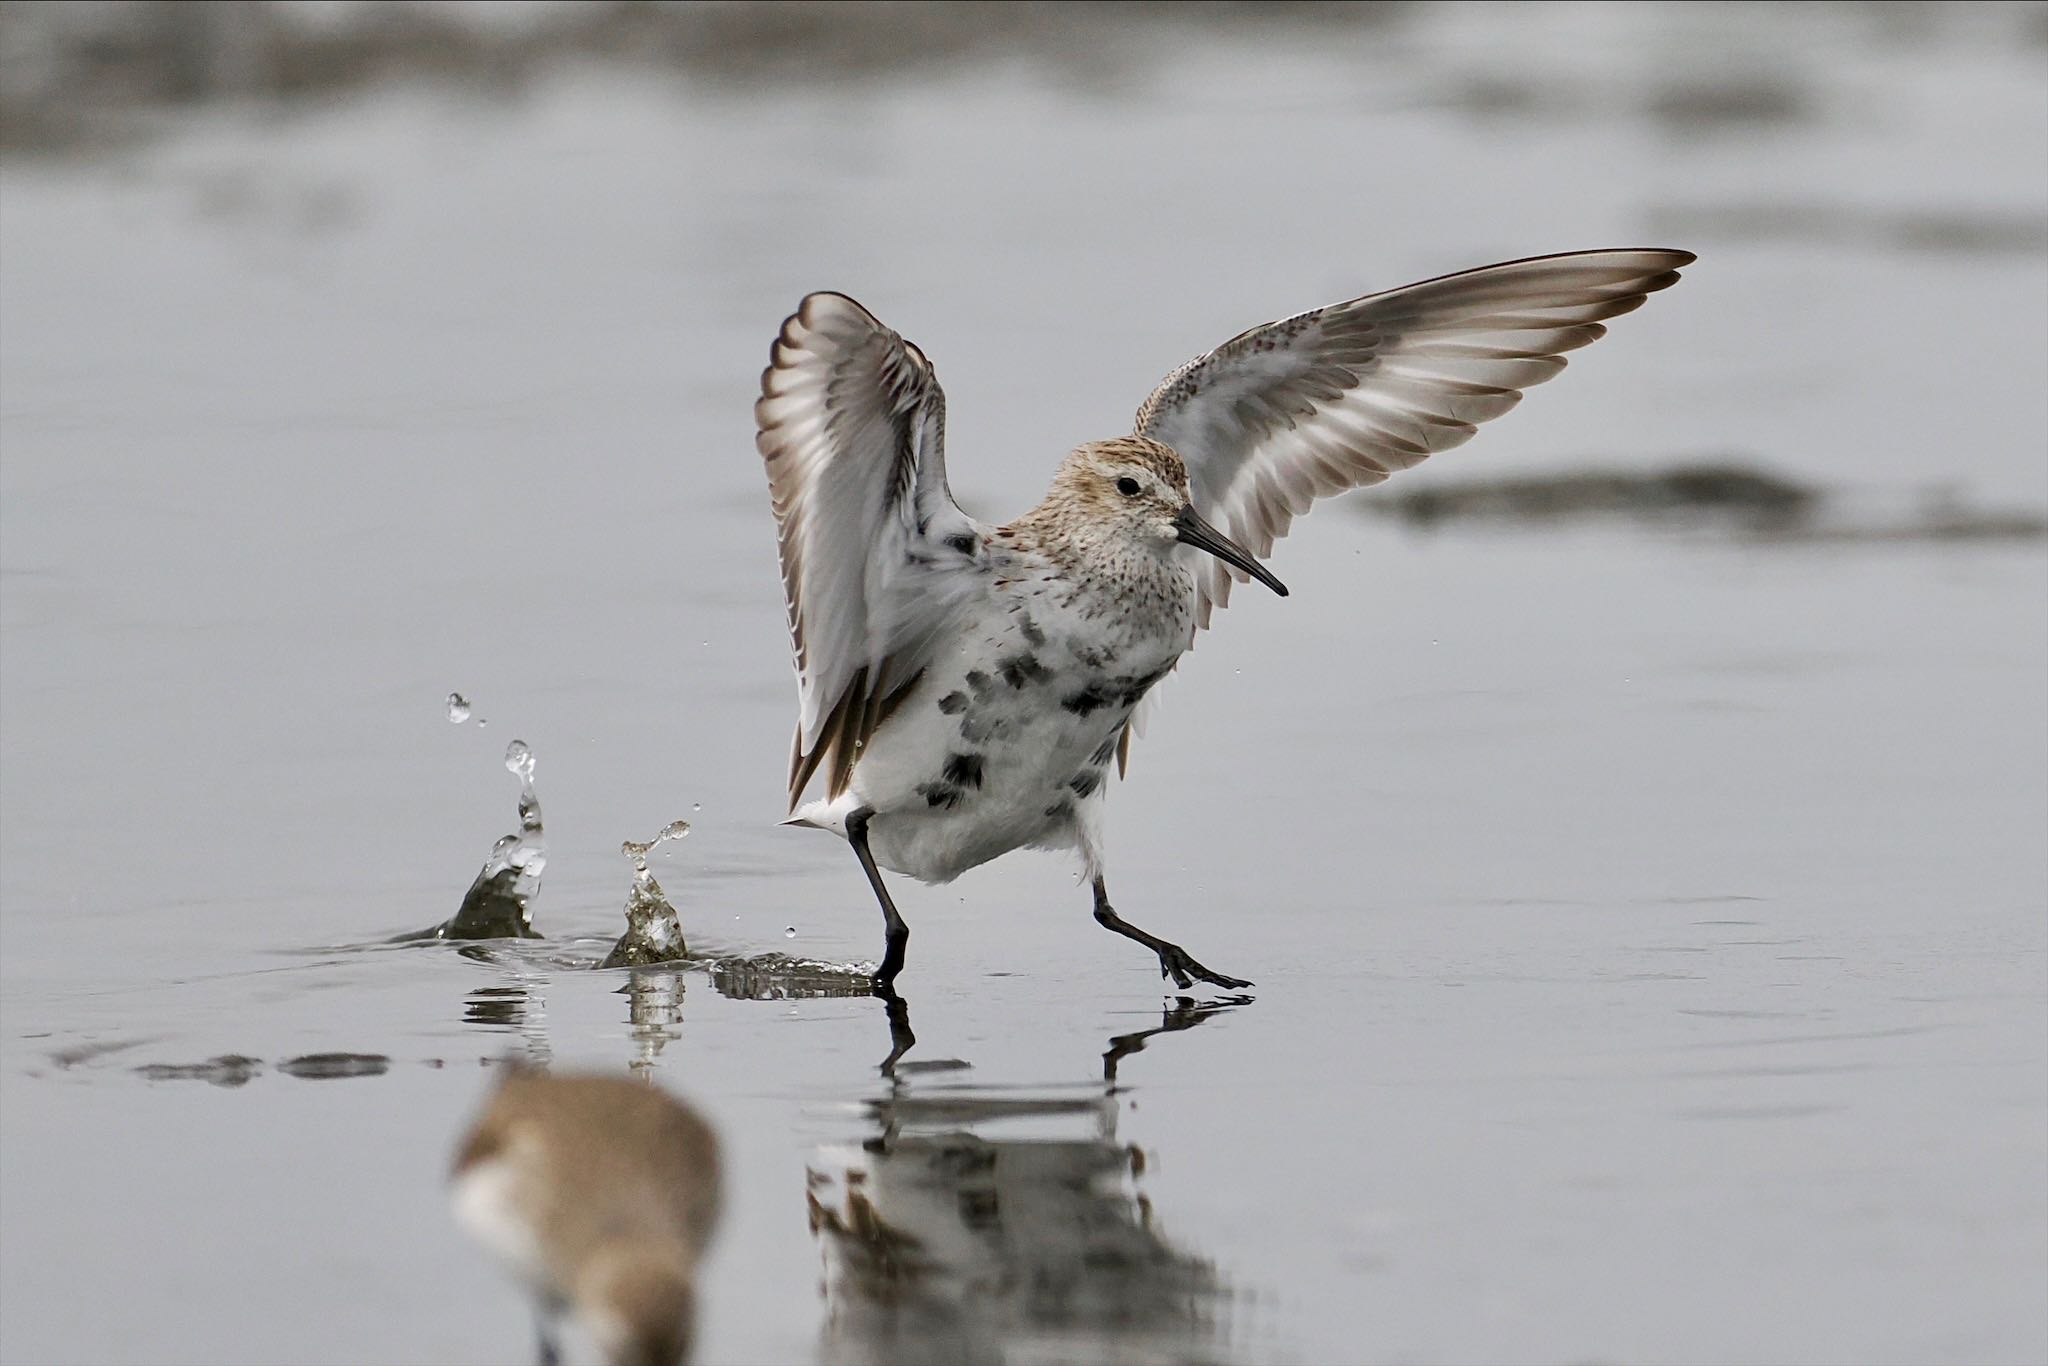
(654, 933)
(458, 708)
(499, 903)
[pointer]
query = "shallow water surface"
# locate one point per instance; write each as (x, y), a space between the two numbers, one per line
(1647, 928)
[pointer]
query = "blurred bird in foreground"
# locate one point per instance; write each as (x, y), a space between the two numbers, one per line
(599, 1195)
(964, 687)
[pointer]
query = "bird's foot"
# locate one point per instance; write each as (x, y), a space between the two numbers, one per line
(1177, 963)
(901, 1040)
(892, 963)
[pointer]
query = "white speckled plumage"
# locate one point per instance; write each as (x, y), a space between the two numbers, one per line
(964, 687)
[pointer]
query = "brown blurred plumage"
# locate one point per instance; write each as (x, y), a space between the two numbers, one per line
(599, 1194)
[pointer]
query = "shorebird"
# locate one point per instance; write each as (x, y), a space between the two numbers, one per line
(598, 1194)
(963, 688)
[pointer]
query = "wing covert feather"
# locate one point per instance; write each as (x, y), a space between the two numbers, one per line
(1341, 397)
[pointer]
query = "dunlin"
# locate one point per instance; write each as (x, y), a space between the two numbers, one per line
(964, 688)
(599, 1195)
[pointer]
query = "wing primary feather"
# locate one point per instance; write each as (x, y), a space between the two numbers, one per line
(1337, 397)
(851, 427)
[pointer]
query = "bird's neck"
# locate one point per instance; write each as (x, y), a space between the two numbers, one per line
(1103, 573)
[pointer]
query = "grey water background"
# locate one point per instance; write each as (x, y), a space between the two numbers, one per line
(1648, 920)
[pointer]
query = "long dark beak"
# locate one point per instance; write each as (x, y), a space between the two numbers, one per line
(1199, 534)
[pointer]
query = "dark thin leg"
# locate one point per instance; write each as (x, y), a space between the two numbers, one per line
(1174, 961)
(897, 933)
(550, 1351)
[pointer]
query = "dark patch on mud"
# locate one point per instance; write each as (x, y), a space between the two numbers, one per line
(1722, 497)
(1686, 492)
(330, 1066)
(229, 1069)
(80, 76)
(235, 1069)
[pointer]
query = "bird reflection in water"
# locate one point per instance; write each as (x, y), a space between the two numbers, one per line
(515, 1007)
(982, 1225)
(654, 1007)
(496, 1007)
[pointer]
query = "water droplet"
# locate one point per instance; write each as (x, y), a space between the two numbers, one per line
(696, 807)
(674, 830)
(789, 932)
(458, 708)
(519, 759)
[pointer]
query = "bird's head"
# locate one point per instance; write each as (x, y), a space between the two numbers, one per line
(1139, 487)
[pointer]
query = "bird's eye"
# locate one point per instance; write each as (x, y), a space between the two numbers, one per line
(1127, 486)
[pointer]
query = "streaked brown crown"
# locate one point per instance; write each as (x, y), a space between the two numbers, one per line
(1156, 456)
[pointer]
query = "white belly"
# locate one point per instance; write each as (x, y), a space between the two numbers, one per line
(1010, 743)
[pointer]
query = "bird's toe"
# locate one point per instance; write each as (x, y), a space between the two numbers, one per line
(1218, 979)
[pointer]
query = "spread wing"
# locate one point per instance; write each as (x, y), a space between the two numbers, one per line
(875, 553)
(1341, 397)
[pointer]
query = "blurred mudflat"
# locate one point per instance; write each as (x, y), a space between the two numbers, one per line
(1644, 894)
